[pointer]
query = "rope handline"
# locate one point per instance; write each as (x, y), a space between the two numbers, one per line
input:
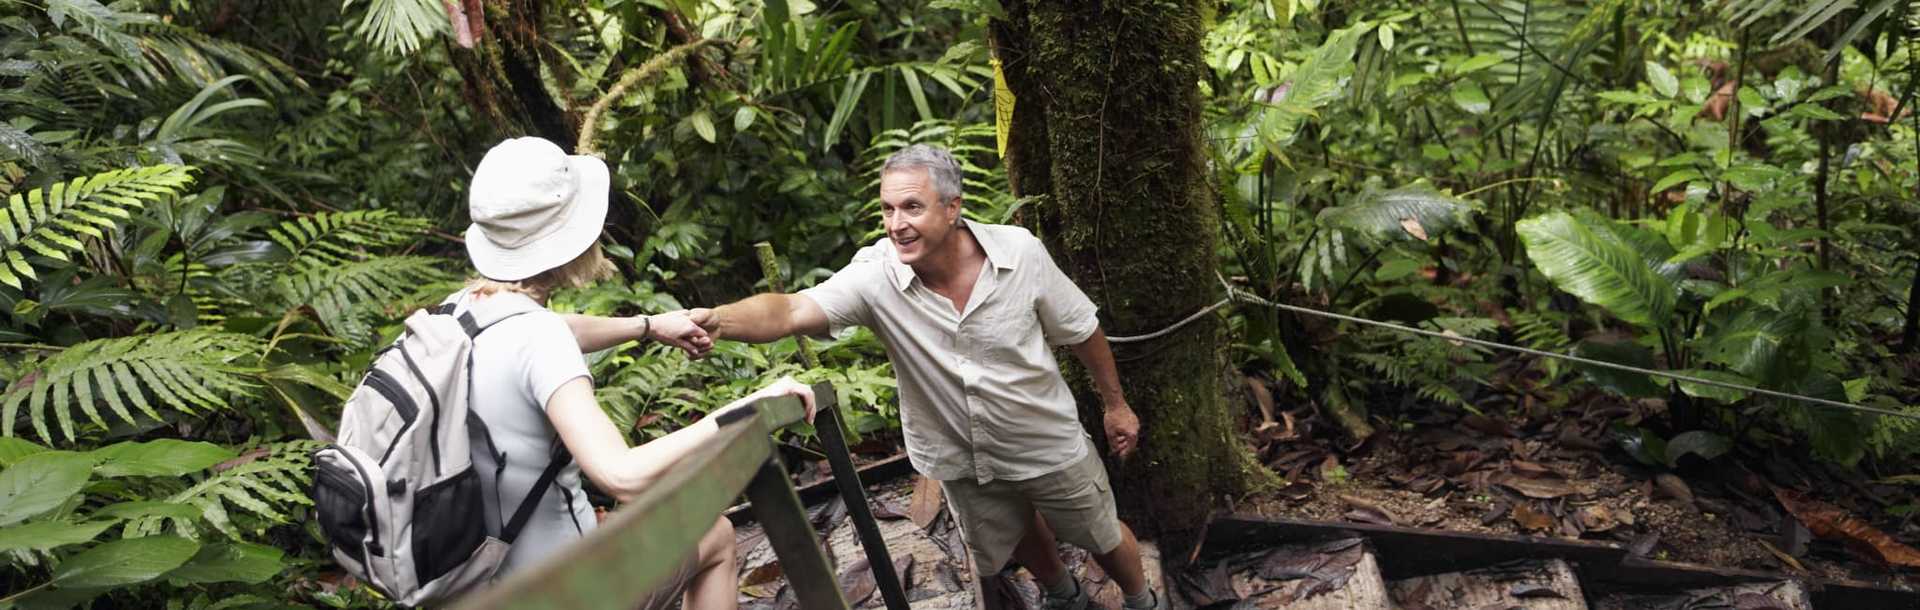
(1235, 295)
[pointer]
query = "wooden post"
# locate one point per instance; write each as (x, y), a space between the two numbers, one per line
(785, 521)
(845, 476)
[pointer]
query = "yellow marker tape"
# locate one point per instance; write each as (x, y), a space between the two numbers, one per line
(1002, 107)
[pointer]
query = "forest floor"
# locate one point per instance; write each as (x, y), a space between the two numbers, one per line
(1564, 474)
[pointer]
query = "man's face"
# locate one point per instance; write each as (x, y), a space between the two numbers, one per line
(916, 219)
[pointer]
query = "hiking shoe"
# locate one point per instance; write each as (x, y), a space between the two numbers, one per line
(1077, 601)
(1158, 603)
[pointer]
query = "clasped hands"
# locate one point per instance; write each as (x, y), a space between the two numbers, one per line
(677, 329)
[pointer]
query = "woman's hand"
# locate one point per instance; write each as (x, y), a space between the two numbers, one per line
(785, 386)
(675, 329)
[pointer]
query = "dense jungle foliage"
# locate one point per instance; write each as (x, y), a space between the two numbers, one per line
(216, 210)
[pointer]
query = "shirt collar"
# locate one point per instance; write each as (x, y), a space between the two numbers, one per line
(999, 253)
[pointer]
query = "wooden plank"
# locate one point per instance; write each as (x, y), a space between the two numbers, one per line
(1404, 552)
(793, 540)
(644, 542)
(812, 494)
(1786, 595)
(1641, 575)
(1603, 568)
(1364, 588)
(1529, 584)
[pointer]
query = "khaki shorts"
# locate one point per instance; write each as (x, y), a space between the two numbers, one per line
(1076, 501)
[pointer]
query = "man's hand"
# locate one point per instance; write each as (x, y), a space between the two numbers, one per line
(678, 329)
(1123, 430)
(706, 319)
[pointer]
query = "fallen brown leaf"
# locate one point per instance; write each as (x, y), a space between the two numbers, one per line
(926, 501)
(857, 581)
(1368, 510)
(890, 511)
(763, 582)
(1531, 519)
(1673, 487)
(1545, 488)
(1412, 227)
(1829, 521)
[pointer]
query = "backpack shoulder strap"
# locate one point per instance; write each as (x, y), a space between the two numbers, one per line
(547, 479)
(478, 317)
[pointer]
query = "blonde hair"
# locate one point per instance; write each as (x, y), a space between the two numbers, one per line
(591, 266)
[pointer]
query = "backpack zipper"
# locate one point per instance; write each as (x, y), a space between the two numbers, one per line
(383, 383)
(373, 522)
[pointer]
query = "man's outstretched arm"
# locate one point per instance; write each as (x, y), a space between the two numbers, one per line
(762, 318)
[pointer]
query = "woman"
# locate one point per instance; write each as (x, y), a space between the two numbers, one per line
(537, 214)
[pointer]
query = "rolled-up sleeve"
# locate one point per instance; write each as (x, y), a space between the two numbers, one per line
(1067, 316)
(843, 296)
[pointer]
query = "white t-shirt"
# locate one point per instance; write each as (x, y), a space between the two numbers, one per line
(518, 363)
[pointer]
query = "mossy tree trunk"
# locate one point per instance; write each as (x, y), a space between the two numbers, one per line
(1106, 130)
(502, 73)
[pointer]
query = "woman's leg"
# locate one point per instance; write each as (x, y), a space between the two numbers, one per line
(716, 578)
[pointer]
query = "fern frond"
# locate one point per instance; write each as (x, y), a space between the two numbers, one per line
(335, 238)
(1539, 331)
(265, 488)
(185, 371)
(346, 296)
(51, 221)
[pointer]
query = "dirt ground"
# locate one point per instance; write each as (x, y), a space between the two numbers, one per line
(1565, 475)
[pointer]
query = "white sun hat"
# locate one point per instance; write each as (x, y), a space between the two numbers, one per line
(534, 208)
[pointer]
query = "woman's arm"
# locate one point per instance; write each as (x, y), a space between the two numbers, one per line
(595, 333)
(623, 471)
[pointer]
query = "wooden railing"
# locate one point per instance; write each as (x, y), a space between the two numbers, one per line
(645, 541)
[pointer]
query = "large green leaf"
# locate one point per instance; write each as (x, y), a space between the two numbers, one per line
(1713, 392)
(40, 482)
(1753, 342)
(124, 562)
(13, 449)
(1415, 211)
(164, 457)
(1599, 267)
(1317, 82)
(1623, 383)
(43, 535)
(230, 562)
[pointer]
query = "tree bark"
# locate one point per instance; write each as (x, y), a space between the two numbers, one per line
(1106, 129)
(502, 74)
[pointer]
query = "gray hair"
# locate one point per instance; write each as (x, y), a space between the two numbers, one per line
(940, 166)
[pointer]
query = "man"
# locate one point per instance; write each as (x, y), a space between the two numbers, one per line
(967, 311)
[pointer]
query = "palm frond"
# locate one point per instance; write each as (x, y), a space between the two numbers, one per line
(51, 221)
(265, 487)
(399, 27)
(1585, 258)
(185, 371)
(346, 297)
(335, 238)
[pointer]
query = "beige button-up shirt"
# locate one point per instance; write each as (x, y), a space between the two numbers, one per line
(980, 393)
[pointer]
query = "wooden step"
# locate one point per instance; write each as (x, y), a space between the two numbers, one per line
(1778, 595)
(1332, 575)
(1531, 584)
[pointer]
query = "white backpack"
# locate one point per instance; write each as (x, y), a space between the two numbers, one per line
(396, 493)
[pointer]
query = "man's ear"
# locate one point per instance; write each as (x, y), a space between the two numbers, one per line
(958, 217)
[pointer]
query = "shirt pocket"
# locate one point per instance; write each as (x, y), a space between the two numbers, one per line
(1015, 325)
